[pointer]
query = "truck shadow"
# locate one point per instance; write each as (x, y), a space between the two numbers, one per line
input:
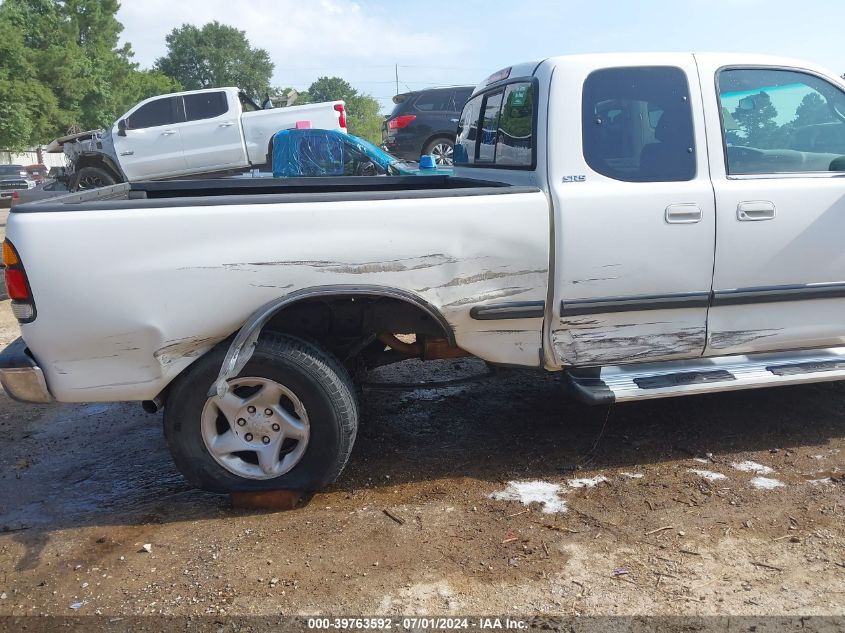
(107, 464)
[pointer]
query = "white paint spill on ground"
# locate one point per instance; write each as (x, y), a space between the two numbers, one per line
(528, 492)
(752, 467)
(707, 474)
(701, 460)
(633, 475)
(587, 483)
(765, 483)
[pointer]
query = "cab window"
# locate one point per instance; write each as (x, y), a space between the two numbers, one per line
(205, 105)
(158, 112)
(637, 124)
(781, 121)
(515, 141)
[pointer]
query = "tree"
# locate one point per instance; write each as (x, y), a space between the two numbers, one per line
(812, 109)
(362, 111)
(757, 122)
(213, 56)
(61, 66)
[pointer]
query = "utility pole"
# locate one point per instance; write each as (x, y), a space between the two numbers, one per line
(397, 78)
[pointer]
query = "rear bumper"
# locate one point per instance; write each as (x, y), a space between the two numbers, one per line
(21, 376)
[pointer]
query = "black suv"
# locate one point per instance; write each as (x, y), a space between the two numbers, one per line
(425, 122)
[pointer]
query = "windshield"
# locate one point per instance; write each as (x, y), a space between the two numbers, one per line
(11, 170)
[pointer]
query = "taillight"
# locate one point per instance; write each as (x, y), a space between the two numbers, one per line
(17, 285)
(16, 195)
(401, 121)
(342, 112)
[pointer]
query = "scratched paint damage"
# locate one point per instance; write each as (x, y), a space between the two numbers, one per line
(187, 347)
(602, 343)
(360, 268)
(738, 338)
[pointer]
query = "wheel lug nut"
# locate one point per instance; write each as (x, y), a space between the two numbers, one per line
(248, 437)
(265, 439)
(276, 427)
(241, 421)
(251, 409)
(268, 411)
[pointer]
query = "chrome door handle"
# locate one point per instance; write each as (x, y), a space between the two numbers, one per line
(683, 214)
(227, 124)
(755, 210)
(168, 132)
(454, 120)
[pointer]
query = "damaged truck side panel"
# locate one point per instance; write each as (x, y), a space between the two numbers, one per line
(607, 219)
(166, 298)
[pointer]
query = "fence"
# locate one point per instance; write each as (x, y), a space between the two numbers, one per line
(31, 158)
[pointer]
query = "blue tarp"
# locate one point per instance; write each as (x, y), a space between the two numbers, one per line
(323, 153)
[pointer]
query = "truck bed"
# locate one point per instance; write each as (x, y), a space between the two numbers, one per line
(205, 192)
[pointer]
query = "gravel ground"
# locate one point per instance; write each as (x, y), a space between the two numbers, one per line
(724, 504)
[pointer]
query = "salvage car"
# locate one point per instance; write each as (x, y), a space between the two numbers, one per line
(607, 220)
(213, 131)
(309, 152)
(424, 123)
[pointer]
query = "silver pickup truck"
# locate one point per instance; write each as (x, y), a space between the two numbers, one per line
(647, 225)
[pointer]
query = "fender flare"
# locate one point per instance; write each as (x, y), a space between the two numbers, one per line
(243, 345)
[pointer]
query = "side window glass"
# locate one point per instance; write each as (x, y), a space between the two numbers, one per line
(205, 105)
(467, 131)
(433, 101)
(459, 98)
(489, 127)
(514, 146)
(154, 113)
(637, 124)
(781, 121)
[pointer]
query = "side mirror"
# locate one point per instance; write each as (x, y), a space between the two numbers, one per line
(121, 127)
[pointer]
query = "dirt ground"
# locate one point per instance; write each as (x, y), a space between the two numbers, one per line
(414, 526)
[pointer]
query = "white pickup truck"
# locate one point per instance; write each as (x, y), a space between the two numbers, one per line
(648, 225)
(196, 132)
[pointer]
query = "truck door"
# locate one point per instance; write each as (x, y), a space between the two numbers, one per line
(779, 178)
(151, 146)
(634, 212)
(211, 134)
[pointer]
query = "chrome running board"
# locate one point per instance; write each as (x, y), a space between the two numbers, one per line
(622, 383)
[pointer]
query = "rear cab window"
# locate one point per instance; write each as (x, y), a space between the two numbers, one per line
(497, 128)
(205, 105)
(637, 124)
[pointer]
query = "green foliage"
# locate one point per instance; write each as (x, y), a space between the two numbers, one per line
(813, 109)
(214, 56)
(61, 66)
(362, 111)
(331, 89)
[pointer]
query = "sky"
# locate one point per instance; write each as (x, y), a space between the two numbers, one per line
(456, 42)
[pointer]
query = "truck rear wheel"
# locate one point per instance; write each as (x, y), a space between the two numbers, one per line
(92, 178)
(288, 421)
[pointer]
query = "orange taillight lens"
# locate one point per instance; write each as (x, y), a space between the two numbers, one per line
(10, 257)
(17, 285)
